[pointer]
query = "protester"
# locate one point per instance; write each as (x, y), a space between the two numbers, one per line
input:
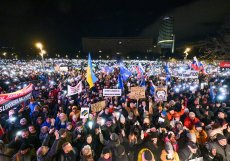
(188, 120)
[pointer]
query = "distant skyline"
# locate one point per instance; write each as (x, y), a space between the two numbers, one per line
(60, 25)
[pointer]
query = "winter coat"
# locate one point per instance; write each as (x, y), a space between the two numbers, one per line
(50, 154)
(224, 152)
(164, 156)
(30, 156)
(139, 158)
(201, 137)
(190, 123)
(185, 154)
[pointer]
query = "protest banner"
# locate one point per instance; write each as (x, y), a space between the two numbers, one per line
(160, 93)
(97, 107)
(185, 74)
(84, 112)
(9, 100)
(74, 90)
(137, 92)
(111, 92)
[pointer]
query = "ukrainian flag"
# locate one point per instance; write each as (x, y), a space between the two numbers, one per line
(91, 78)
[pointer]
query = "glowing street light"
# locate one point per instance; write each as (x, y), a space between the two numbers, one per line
(4, 54)
(186, 52)
(42, 52)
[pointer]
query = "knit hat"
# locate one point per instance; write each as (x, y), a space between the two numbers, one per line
(168, 146)
(220, 136)
(106, 150)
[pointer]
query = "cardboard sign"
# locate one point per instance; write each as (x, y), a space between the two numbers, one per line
(111, 92)
(137, 92)
(84, 113)
(97, 107)
(160, 93)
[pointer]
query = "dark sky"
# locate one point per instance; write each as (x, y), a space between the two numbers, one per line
(60, 24)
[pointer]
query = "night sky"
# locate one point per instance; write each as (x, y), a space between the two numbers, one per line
(60, 24)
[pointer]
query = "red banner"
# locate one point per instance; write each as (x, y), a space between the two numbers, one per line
(225, 64)
(11, 96)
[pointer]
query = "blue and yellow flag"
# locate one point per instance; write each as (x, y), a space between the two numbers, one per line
(91, 78)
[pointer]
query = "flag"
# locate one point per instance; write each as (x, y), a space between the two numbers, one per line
(125, 73)
(91, 78)
(195, 64)
(202, 69)
(212, 96)
(140, 70)
(74, 90)
(152, 89)
(107, 69)
(142, 82)
(120, 82)
(166, 69)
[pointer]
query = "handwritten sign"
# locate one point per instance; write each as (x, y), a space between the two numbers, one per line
(137, 93)
(97, 107)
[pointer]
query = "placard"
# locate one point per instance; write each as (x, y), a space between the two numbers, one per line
(97, 107)
(137, 92)
(185, 74)
(111, 92)
(160, 93)
(63, 69)
(84, 113)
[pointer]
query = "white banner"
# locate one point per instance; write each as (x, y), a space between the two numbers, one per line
(185, 74)
(63, 69)
(84, 113)
(74, 90)
(111, 92)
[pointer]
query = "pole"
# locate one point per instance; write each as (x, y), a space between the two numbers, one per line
(42, 62)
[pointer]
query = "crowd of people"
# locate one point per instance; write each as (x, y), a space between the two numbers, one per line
(192, 125)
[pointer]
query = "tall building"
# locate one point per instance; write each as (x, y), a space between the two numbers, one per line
(166, 36)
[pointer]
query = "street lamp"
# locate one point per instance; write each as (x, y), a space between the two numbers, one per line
(186, 52)
(4, 54)
(42, 52)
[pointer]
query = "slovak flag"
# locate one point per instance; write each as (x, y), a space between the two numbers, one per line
(201, 66)
(74, 90)
(195, 64)
(140, 70)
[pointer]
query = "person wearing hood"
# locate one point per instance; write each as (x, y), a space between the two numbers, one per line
(212, 154)
(121, 154)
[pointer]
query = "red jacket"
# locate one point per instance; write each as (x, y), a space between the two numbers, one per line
(190, 123)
